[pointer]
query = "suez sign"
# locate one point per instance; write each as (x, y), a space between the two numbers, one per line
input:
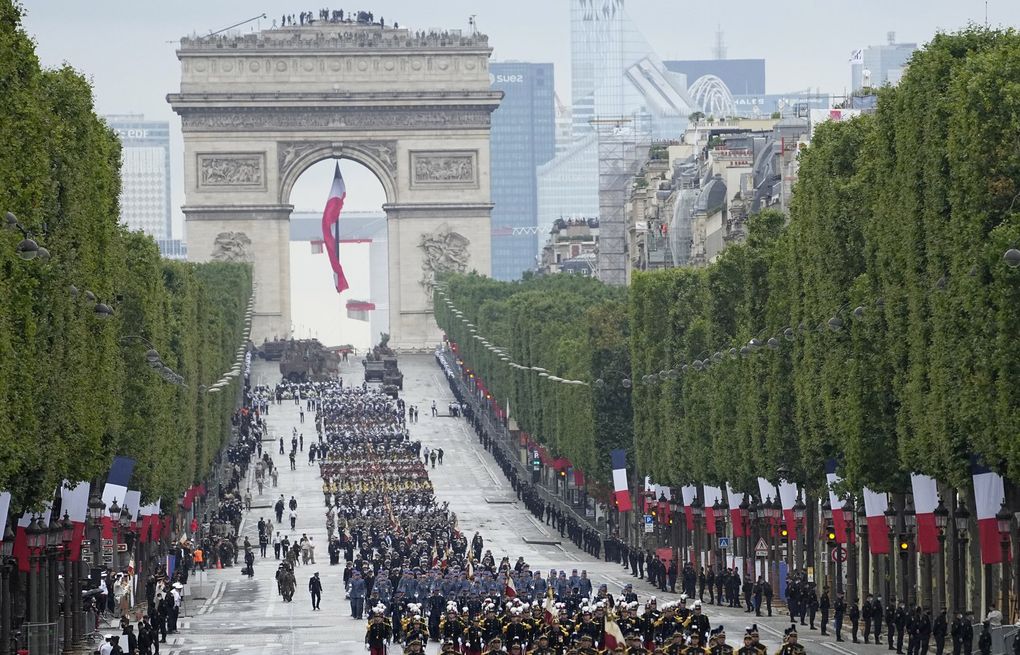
(506, 79)
(131, 133)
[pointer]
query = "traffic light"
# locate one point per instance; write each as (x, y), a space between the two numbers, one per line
(904, 545)
(784, 535)
(563, 473)
(830, 536)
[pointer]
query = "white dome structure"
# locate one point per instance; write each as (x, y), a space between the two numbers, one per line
(713, 96)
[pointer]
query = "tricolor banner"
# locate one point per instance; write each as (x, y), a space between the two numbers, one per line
(788, 498)
(689, 493)
(875, 505)
(331, 228)
(74, 500)
(736, 499)
(926, 499)
(621, 489)
(712, 496)
(989, 493)
(613, 635)
(832, 481)
(116, 489)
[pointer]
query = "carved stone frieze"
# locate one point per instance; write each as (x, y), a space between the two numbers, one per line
(384, 152)
(227, 120)
(442, 251)
(439, 168)
(232, 247)
(231, 170)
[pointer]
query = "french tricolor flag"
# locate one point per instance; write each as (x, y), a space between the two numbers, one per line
(989, 493)
(689, 493)
(5, 508)
(621, 490)
(875, 505)
(116, 489)
(832, 481)
(331, 228)
(21, 551)
(788, 498)
(736, 499)
(926, 499)
(74, 500)
(149, 517)
(712, 496)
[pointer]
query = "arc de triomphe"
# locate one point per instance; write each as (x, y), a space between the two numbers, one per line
(258, 109)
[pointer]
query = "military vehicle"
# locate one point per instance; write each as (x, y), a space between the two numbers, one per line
(381, 365)
(391, 374)
(272, 351)
(307, 360)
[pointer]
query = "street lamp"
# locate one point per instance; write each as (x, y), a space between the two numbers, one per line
(6, 607)
(862, 530)
(941, 521)
(1004, 518)
(961, 520)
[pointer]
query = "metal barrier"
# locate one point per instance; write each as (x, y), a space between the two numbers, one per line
(1003, 637)
(41, 638)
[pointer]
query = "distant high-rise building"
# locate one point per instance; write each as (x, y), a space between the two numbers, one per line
(878, 65)
(522, 138)
(145, 174)
(741, 76)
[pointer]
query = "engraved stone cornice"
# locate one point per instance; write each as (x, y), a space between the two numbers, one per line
(299, 120)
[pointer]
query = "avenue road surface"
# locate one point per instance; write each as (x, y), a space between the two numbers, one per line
(226, 613)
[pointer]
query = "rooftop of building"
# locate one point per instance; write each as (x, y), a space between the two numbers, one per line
(313, 33)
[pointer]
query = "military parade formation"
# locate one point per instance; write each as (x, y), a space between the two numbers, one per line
(416, 577)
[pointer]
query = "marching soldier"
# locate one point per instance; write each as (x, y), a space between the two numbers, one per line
(378, 632)
(695, 648)
(748, 647)
(790, 645)
(585, 646)
(543, 647)
(494, 647)
(720, 647)
(635, 646)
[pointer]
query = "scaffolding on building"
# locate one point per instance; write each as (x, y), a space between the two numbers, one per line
(619, 144)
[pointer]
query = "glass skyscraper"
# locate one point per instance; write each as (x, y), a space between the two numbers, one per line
(145, 174)
(523, 137)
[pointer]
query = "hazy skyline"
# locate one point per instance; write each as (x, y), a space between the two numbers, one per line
(127, 48)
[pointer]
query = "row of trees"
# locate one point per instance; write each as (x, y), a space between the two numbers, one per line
(576, 328)
(895, 320)
(73, 391)
(876, 324)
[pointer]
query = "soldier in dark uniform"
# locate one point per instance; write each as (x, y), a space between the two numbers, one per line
(452, 627)
(494, 647)
(473, 641)
(938, 631)
(890, 623)
(378, 632)
(756, 641)
(867, 614)
(721, 647)
(748, 647)
(585, 645)
(635, 645)
(695, 648)
(542, 646)
(790, 645)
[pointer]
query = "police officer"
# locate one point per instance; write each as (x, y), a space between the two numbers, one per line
(838, 610)
(855, 619)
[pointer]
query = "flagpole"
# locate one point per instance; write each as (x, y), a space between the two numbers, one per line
(337, 240)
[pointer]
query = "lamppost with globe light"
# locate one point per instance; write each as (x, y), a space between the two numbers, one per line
(7, 563)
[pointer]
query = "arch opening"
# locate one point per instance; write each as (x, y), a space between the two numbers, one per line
(360, 313)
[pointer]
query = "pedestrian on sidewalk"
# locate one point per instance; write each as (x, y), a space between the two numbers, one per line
(433, 456)
(315, 589)
(293, 518)
(440, 456)
(275, 475)
(276, 545)
(435, 412)
(247, 500)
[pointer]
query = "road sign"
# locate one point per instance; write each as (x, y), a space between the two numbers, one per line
(86, 557)
(724, 542)
(121, 548)
(649, 523)
(838, 554)
(761, 549)
(107, 559)
(107, 542)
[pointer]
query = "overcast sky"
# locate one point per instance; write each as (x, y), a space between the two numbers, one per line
(127, 46)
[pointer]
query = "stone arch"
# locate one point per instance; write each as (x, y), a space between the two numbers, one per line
(295, 158)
